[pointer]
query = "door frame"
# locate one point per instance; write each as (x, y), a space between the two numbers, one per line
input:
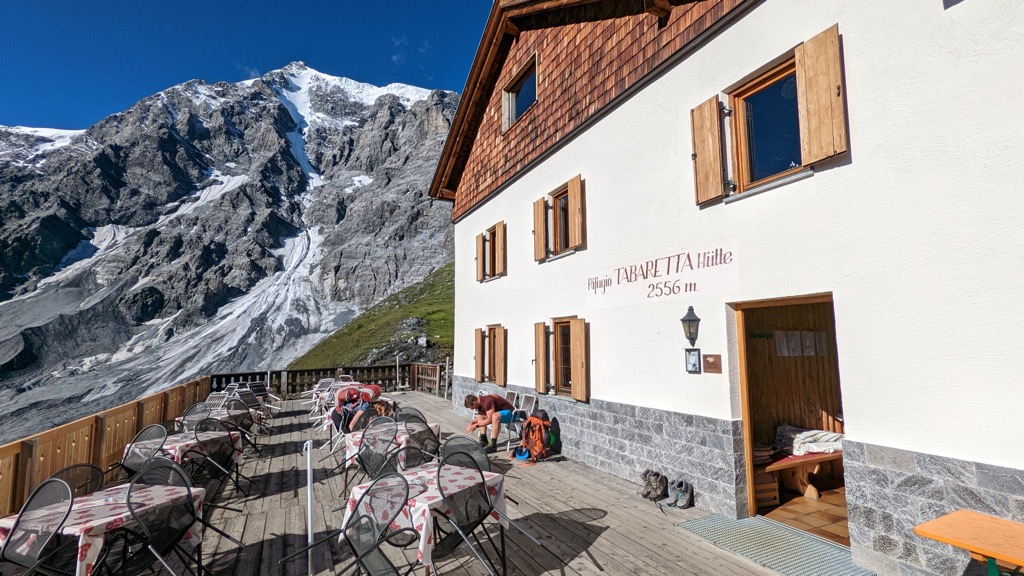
(741, 354)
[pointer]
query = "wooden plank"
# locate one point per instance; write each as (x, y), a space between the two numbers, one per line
(983, 534)
(820, 97)
(10, 456)
(706, 132)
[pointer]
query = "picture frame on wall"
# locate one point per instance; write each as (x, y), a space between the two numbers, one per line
(692, 360)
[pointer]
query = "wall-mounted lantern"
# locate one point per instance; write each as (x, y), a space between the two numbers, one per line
(691, 323)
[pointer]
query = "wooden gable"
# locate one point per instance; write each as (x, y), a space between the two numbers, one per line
(588, 53)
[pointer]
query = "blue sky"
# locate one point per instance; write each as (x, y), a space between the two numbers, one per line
(68, 63)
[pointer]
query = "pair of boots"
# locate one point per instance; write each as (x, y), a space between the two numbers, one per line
(655, 485)
(490, 445)
(682, 495)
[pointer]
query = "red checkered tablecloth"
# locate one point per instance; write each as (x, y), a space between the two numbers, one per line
(403, 438)
(96, 515)
(425, 496)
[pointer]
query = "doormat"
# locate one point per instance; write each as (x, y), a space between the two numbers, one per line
(774, 545)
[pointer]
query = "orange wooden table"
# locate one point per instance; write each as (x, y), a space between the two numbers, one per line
(990, 537)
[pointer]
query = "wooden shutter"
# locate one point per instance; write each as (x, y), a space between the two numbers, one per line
(820, 98)
(499, 355)
(540, 230)
(707, 151)
(578, 351)
(480, 258)
(499, 249)
(479, 338)
(577, 225)
(540, 357)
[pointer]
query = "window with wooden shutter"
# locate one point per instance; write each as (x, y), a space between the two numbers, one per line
(820, 96)
(479, 347)
(540, 230)
(490, 253)
(540, 357)
(707, 151)
(783, 121)
(567, 229)
(569, 356)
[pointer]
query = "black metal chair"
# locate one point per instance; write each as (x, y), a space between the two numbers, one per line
(158, 531)
(34, 541)
(405, 412)
(462, 443)
(215, 458)
(464, 493)
(82, 478)
(241, 420)
(421, 435)
(369, 526)
(147, 443)
(193, 415)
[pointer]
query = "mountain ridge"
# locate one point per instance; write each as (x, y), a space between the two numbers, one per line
(209, 227)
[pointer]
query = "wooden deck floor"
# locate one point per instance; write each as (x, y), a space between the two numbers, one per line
(588, 522)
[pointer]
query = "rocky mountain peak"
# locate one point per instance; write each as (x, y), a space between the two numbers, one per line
(210, 228)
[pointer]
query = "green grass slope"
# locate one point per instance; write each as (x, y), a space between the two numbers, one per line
(386, 325)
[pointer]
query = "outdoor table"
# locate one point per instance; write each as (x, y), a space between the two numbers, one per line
(353, 440)
(424, 497)
(990, 537)
(97, 515)
(176, 446)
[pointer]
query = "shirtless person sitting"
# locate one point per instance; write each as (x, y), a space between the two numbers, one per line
(491, 410)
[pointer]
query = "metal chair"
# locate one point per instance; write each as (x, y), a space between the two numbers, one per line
(462, 443)
(421, 435)
(241, 421)
(369, 526)
(159, 531)
(512, 396)
(82, 478)
(216, 399)
(147, 443)
(519, 416)
(464, 492)
(193, 415)
(215, 458)
(34, 541)
(376, 441)
(408, 412)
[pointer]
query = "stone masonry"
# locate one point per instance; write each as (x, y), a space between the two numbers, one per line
(889, 491)
(624, 440)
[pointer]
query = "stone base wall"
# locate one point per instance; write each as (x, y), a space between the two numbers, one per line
(624, 440)
(889, 491)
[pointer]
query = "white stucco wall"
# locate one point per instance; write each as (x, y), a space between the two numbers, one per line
(918, 232)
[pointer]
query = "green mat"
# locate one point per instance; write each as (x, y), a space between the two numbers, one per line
(774, 545)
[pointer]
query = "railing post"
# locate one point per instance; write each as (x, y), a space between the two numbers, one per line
(28, 464)
(99, 441)
(165, 414)
(140, 416)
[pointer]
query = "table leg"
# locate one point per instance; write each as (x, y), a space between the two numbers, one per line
(504, 570)
(993, 569)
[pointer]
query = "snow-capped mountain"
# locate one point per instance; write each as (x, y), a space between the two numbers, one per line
(208, 228)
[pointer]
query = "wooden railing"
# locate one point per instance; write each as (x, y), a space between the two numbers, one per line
(100, 438)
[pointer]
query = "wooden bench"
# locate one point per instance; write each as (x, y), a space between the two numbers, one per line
(799, 471)
(991, 539)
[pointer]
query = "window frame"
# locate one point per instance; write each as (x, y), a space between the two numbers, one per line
(552, 339)
(549, 226)
(558, 369)
(740, 138)
(510, 93)
(490, 343)
(491, 253)
(491, 360)
(558, 228)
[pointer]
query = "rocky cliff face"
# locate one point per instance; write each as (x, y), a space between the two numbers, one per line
(209, 228)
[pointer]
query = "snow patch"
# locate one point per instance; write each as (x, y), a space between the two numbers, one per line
(206, 196)
(358, 182)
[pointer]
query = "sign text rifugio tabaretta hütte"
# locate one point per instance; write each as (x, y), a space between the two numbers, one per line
(706, 270)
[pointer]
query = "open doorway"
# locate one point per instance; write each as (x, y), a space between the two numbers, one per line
(793, 414)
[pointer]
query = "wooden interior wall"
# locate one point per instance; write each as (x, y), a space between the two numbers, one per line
(799, 390)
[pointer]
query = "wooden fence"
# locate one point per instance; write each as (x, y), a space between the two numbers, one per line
(100, 438)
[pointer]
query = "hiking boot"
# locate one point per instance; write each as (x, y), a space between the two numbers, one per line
(491, 447)
(483, 439)
(659, 487)
(648, 487)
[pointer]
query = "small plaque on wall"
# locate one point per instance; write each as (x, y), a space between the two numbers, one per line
(712, 363)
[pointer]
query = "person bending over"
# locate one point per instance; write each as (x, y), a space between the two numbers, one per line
(491, 410)
(349, 407)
